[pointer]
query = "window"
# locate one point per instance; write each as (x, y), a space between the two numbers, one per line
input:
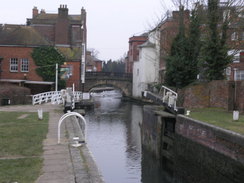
(235, 54)
(24, 65)
(226, 15)
(234, 36)
(239, 75)
(13, 65)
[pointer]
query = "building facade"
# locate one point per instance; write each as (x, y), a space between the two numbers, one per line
(169, 28)
(17, 66)
(146, 69)
(65, 32)
(133, 53)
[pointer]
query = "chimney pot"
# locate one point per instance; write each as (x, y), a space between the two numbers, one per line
(34, 12)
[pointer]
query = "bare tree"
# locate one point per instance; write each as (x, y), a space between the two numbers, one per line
(94, 52)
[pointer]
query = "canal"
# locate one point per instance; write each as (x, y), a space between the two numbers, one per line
(114, 139)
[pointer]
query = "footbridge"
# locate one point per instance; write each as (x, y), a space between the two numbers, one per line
(122, 81)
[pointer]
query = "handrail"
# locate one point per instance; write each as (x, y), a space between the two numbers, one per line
(43, 97)
(71, 114)
(169, 96)
(54, 97)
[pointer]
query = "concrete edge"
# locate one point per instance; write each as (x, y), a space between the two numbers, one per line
(84, 165)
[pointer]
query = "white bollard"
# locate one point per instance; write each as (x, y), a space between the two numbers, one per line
(188, 113)
(40, 114)
(235, 115)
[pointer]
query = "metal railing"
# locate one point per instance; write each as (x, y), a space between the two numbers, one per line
(44, 97)
(68, 115)
(169, 97)
(54, 97)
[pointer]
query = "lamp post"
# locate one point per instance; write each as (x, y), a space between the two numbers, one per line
(1, 58)
(56, 78)
(235, 111)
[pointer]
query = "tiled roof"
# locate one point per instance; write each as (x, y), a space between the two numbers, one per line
(21, 35)
(46, 16)
(75, 17)
(49, 16)
(71, 53)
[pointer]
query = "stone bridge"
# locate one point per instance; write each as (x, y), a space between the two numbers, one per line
(122, 81)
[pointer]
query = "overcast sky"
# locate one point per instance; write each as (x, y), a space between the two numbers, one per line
(110, 23)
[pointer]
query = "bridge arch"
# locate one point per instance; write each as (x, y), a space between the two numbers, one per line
(122, 82)
(125, 88)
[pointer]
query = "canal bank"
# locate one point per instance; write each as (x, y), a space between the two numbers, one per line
(62, 162)
(191, 150)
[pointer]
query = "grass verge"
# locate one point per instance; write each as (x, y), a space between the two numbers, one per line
(220, 118)
(21, 146)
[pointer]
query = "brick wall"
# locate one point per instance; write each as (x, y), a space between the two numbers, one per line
(75, 78)
(18, 52)
(207, 154)
(213, 94)
(62, 31)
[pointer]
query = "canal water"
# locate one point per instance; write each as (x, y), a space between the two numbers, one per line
(114, 139)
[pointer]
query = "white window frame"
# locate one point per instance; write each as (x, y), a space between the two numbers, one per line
(234, 36)
(236, 55)
(13, 65)
(226, 15)
(24, 65)
(239, 75)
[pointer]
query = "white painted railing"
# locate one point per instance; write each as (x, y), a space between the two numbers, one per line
(169, 97)
(68, 115)
(43, 97)
(54, 97)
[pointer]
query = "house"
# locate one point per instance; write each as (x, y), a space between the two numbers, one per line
(146, 69)
(69, 34)
(62, 29)
(133, 53)
(66, 32)
(235, 41)
(17, 65)
(93, 64)
(169, 28)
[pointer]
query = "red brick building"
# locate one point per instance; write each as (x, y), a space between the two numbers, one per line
(133, 53)
(61, 29)
(65, 32)
(17, 65)
(93, 64)
(169, 28)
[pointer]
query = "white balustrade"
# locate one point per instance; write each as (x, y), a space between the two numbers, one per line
(169, 97)
(54, 97)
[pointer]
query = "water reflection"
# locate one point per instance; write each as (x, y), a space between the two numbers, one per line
(114, 138)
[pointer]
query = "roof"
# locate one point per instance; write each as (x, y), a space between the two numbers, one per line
(71, 53)
(50, 16)
(147, 44)
(46, 16)
(21, 35)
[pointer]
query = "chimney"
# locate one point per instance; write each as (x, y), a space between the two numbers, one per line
(63, 11)
(34, 12)
(43, 11)
(83, 18)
